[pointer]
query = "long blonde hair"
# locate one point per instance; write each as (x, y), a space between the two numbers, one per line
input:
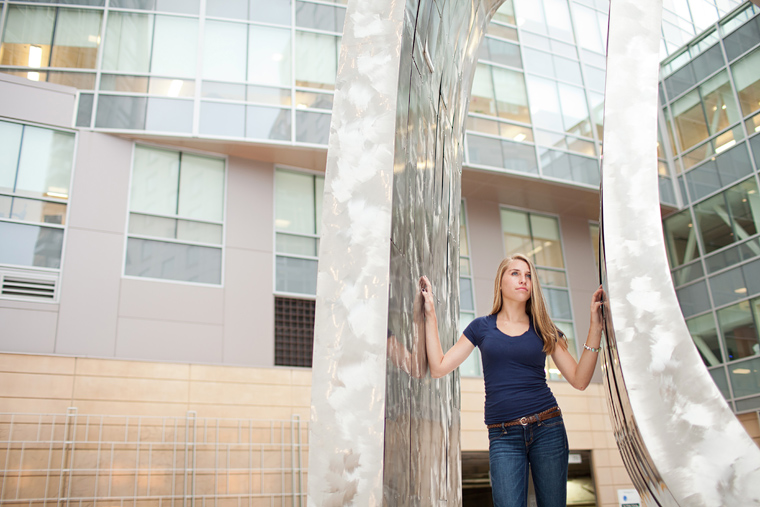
(535, 307)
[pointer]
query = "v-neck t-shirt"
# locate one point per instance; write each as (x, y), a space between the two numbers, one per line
(513, 371)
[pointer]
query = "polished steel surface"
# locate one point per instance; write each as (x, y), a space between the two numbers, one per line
(680, 442)
(382, 430)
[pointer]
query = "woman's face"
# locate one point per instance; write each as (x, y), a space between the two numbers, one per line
(516, 284)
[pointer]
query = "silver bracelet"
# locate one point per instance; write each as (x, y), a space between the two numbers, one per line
(592, 349)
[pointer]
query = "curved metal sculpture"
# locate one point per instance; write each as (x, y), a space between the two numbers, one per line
(381, 431)
(680, 442)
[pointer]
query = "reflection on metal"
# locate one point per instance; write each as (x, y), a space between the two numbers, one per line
(382, 430)
(680, 442)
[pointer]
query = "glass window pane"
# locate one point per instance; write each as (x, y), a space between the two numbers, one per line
(84, 110)
(744, 207)
(547, 250)
(751, 272)
(320, 17)
(575, 113)
(549, 277)
(516, 230)
(464, 249)
(201, 188)
(727, 287)
(485, 151)
(77, 36)
(680, 238)
(128, 42)
(719, 377)
(269, 56)
(179, 6)
(316, 60)
(703, 180)
(45, 162)
(10, 147)
(544, 102)
(688, 273)
(690, 122)
(121, 112)
(482, 96)
(268, 11)
(221, 119)
(148, 225)
(693, 299)
(175, 42)
(224, 55)
(719, 103)
(235, 9)
(188, 230)
(745, 378)
(30, 245)
(558, 301)
(32, 210)
(747, 79)
(705, 337)
(172, 261)
(267, 123)
(297, 245)
(465, 295)
(154, 181)
(169, 115)
(511, 95)
(296, 275)
(739, 332)
(312, 127)
(294, 198)
(714, 223)
(28, 36)
(503, 52)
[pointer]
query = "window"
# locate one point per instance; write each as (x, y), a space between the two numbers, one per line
(538, 237)
(472, 365)
(52, 37)
(705, 111)
(680, 239)
(176, 216)
(298, 212)
(747, 79)
(35, 176)
(729, 217)
(316, 59)
(499, 92)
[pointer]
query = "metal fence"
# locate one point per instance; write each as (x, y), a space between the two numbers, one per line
(108, 461)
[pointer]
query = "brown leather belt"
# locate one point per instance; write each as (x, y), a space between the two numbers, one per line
(541, 416)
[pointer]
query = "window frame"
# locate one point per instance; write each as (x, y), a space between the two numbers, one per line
(275, 253)
(223, 242)
(64, 227)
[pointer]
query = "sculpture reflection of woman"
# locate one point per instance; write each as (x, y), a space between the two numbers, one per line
(525, 426)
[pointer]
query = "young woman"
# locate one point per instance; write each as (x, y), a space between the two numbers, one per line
(525, 426)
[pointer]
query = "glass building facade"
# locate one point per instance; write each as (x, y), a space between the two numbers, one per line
(263, 72)
(710, 94)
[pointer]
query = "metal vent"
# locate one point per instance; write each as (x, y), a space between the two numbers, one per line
(28, 287)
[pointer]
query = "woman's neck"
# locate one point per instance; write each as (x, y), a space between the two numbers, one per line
(513, 311)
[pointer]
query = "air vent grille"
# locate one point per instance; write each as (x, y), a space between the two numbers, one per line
(36, 288)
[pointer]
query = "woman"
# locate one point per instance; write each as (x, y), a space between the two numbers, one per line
(524, 423)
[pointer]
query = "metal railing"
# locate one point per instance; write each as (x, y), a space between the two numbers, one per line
(100, 460)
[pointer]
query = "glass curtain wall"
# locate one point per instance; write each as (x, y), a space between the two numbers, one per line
(243, 69)
(711, 106)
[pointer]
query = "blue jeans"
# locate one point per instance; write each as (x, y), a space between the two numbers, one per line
(542, 448)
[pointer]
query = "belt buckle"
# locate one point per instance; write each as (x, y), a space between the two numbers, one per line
(524, 421)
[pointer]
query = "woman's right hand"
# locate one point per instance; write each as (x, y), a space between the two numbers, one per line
(427, 295)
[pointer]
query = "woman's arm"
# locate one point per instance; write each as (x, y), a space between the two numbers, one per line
(579, 374)
(440, 363)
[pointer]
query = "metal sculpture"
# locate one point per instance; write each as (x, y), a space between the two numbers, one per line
(679, 440)
(382, 431)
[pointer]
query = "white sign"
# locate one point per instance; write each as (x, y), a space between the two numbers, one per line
(628, 498)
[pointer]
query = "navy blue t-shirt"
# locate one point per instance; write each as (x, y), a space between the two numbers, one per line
(513, 370)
